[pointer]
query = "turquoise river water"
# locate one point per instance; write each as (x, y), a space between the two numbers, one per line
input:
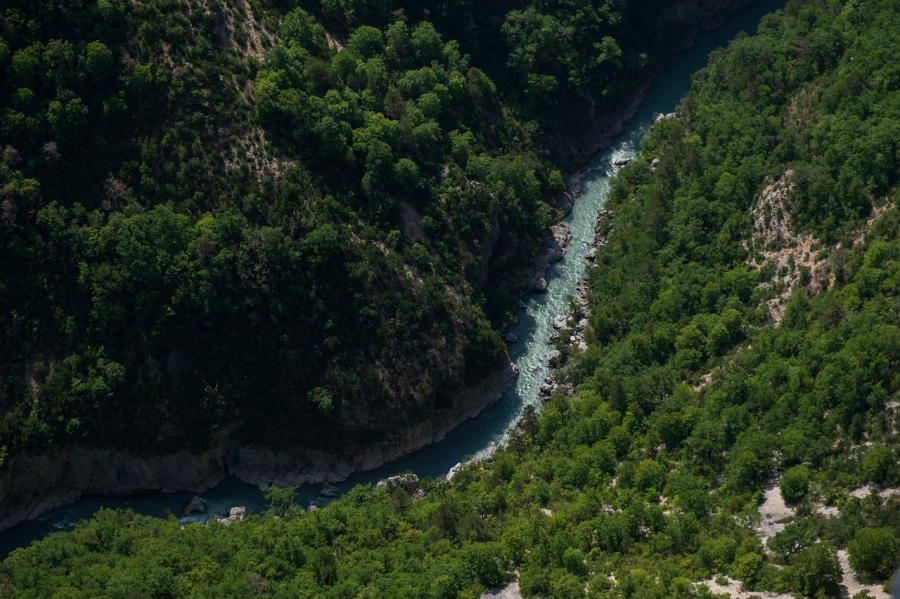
(475, 437)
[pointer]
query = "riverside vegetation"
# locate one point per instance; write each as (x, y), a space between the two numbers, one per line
(743, 330)
(222, 217)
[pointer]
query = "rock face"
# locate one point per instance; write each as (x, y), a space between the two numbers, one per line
(33, 485)
(235, 515)
(553, 250)
(30, 486)
(196, 504)
(408, 482)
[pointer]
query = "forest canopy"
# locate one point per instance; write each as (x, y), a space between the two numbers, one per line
(211, 207)
(743, 332)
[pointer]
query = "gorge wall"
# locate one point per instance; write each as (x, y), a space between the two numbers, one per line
(32, 485)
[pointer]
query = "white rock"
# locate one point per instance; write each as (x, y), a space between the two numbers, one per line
(554, 357)
(235, 515)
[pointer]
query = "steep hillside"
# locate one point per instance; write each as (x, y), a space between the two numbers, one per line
(734, 426)
(223, 220)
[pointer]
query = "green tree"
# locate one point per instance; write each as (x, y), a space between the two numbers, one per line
(794, 484)
(879, 465)
(99, 59)
(816, 569)
(366, 42)
(874, 552)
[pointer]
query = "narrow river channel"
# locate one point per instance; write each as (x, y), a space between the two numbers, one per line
(476, 436)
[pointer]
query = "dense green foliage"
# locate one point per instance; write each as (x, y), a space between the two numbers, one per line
(713, 367)
(794, 484)
(209, 207)
(874, 552)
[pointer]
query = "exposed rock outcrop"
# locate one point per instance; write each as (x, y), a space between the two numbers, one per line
(196, 504)
(409, 482)
(33, 485)
(235, 515)
(531, 278)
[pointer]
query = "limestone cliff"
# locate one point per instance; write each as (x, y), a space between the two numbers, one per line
(33, 485)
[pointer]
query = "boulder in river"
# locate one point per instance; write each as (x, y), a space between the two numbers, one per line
(560, 321)
(196, 504)
(327, 491)
(511, 337)
(622, 162)
(521, 305)
(554, 357)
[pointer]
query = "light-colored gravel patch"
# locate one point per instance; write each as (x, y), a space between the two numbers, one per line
(852, 584)
(733, 590)
(510, 591)
(771, 511)
(829, 511)
(867, 488)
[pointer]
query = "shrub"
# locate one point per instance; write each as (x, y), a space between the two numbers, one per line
(794, 484)
(874, 552)
(816, 568)
(878, 465)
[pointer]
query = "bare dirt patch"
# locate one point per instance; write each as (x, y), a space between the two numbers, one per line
(772, 509)
(866, 490)
(852, 584)
(510, 591)
(733, 589)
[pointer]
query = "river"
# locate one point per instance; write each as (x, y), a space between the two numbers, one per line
(475, 437)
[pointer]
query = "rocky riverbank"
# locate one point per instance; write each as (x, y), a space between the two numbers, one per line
(572, 325)
(698, 16)
(32, 485)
